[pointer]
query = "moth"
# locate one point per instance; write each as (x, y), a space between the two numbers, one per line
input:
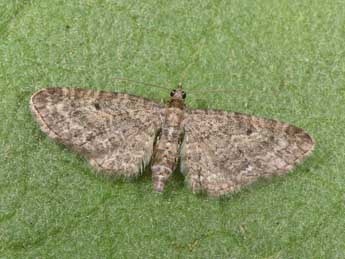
(121, 134)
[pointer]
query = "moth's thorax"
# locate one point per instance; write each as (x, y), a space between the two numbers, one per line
(173, 117)
(176, 103)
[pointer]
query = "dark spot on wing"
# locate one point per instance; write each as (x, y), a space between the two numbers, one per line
(97, 106)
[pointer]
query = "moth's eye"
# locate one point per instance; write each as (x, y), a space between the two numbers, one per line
(184, 95)
(172, 93)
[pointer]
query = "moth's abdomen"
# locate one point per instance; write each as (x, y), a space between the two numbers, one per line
(166, 155)
(166, 151)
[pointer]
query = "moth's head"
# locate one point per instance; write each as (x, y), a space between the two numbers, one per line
(178, 94)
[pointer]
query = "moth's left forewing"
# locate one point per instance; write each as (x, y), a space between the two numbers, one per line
(114, 131)
(224, 151)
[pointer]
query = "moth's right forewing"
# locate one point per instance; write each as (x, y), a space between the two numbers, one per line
(223, 152)
(114, 131)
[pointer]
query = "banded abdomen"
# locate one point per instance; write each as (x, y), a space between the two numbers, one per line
(167, 148)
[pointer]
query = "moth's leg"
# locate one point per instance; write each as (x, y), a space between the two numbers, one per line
(161, 116)
(182, 153)
(155, 144)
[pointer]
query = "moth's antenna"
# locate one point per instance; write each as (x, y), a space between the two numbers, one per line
(219, 90)
(138, 82)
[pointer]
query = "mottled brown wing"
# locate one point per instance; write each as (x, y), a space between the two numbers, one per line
(224, 151)
(114, 131)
